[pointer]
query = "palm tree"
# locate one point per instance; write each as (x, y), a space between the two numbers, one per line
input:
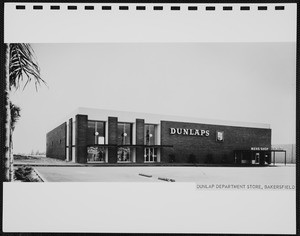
(21, 66)
(15, 114)
(23, 63)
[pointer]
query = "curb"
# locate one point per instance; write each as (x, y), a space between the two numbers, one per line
(140, 165)
(47, 165)
(43, 179)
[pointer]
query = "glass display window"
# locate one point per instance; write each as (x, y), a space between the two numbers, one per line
(96, 132)
(150, 134)
(124, 134)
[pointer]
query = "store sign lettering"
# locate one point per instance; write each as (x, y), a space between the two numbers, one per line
(190, 132)
(259, 149)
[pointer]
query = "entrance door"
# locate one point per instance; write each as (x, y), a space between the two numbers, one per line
(150, 154)
(257, 158)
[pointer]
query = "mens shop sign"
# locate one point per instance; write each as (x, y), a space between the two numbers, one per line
(259, 149)
(189, 132)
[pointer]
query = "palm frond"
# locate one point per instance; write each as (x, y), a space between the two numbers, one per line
(23, 63)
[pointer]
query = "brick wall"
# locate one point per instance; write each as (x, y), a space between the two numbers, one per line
(56, 142)
(140, 130)
(112, 139)
(70, 138)
(206, 147)
(81, 138)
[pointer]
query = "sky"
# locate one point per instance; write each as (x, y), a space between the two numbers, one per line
(250, 82)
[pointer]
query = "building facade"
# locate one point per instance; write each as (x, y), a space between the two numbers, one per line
(105, 136)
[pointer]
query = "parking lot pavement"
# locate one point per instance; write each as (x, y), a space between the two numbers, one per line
(232, 175)
(91, 174)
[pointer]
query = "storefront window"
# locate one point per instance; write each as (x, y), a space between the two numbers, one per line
(124, 138)
(96, 132)
(124, 134)
(150, 153)
(150, 135)
(124, 154)
(96, 154)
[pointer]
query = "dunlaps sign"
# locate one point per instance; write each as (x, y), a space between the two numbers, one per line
(191, 132)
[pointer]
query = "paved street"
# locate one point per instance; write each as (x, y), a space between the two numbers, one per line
(231, 175)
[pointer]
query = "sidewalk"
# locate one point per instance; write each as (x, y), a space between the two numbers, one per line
(41, 161)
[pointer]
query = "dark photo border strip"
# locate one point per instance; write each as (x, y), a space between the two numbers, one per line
(175, 6)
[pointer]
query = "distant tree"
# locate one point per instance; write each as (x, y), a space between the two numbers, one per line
(20, 66)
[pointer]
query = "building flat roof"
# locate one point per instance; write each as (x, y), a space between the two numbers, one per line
(126, 116)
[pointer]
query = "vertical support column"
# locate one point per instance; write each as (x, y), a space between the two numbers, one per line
(164, 152)
(262, 158)
(70, 139)
(133, 150)
(292, 154)
(158, 154)
(140, 134)
(285, 158)
(158, 141)
(81, 138)
(65, 141)
(112, 139)
(106, 142)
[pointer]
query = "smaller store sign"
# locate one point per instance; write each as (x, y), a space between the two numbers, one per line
(100, 140)
(220, 136)
(259, 149)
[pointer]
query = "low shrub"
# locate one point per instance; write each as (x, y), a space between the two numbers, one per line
(172, 158)
(224, 159)
(209, 159)
(25, 174)
(192, 159)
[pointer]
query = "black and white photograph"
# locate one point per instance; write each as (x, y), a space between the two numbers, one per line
(208, 122)
(129, 105)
